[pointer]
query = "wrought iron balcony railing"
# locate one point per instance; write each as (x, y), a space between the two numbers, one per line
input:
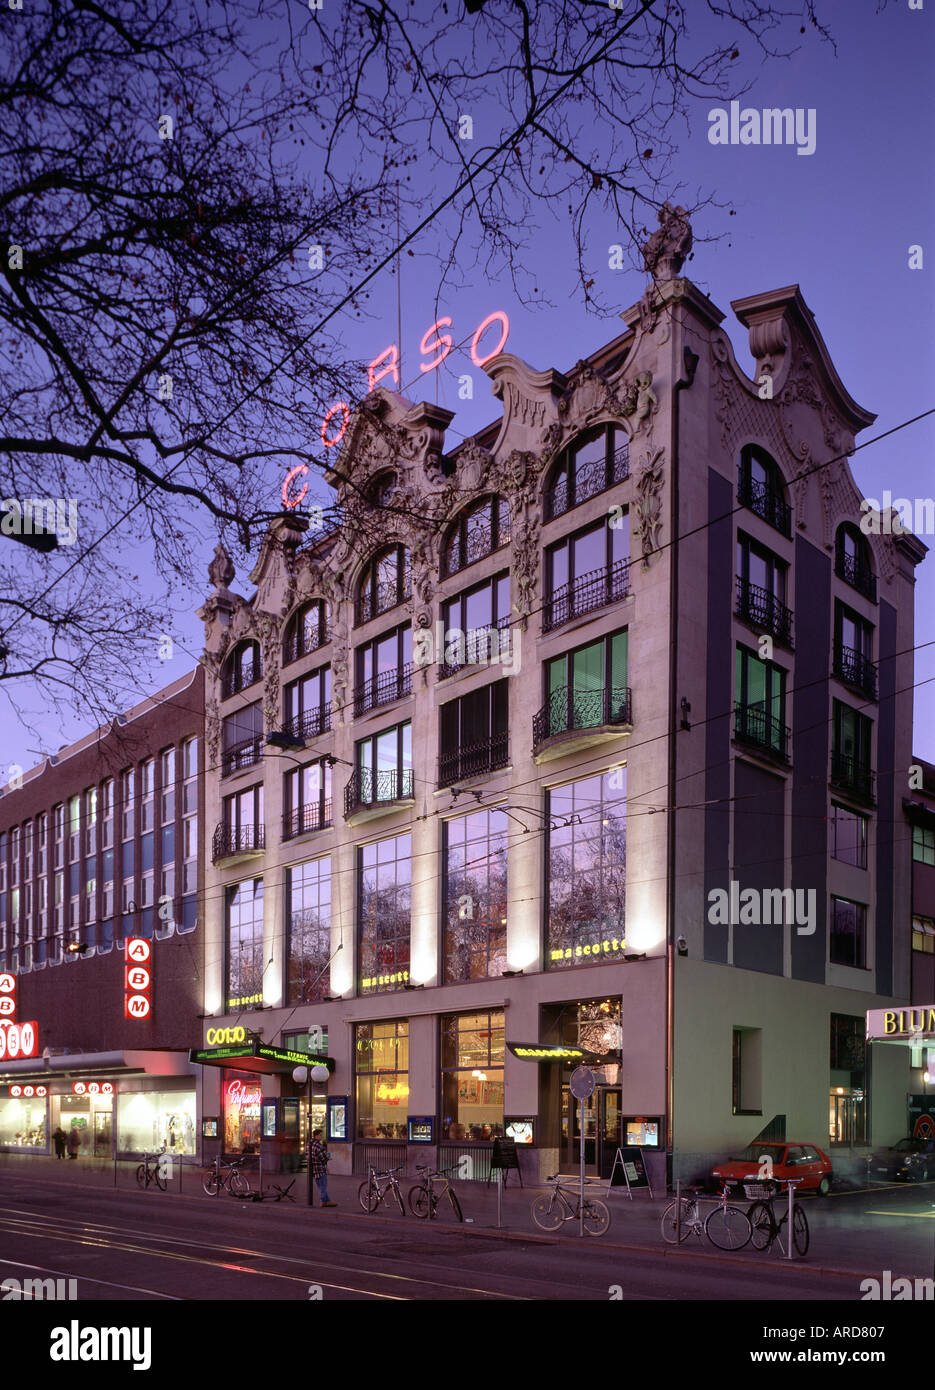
(765, 501)
(852, 667)
(229, 841)
(241, 755)
(381, 599)
(753, 725)
(241, 675)
(304, 819)
(474, 760)
(304, 643)
(367, 789)
(310, 723)
(589, 480)
(851, 775)
(381, 689)
(568, 709)
(854, 572)
(758, 606)
(585, 594)
(481, 646)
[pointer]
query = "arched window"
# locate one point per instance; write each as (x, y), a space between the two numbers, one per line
(591, 463)
(852, 560)
(242, 668)
(306, 631)
(380, 492)
(761, 487)
(385, 582)
(478, 531)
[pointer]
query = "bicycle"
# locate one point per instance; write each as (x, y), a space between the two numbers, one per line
(423, 1199)
(154, 1174)
(234, 1179)
(763, 1223)
(727, 1227)
(549, 1218)
(378, 1187)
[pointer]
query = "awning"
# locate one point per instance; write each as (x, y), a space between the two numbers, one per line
(149, 1063)
(258, 1057)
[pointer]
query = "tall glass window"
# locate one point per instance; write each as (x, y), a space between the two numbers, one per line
(848, 933)
(381, 1064)
(475, 887)
(472, 1075)
(307, 799)
(245, 943)
(848, 836)
(308, 912)
(384, 913)
(587, 861)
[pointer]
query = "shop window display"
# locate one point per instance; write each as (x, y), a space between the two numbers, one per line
(472, 1076)
(156, 1121)
(23, 1123)
(381, 1058)
(242, 1104)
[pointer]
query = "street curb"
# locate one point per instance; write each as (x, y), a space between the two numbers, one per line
(486, 1232)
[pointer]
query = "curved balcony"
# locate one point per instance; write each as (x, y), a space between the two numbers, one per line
(853, 572)
(572, 719)
(232, 845)
(241, 755)
(305, 819)
(370, 794)
(753, 726)
(586, 594)
(757, 606)
(383, 689)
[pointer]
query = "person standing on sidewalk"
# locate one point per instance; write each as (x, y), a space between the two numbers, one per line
(319, 1159)
(59, 1138)
(74, 1141)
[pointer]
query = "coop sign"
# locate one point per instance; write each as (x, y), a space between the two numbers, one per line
(434, 347)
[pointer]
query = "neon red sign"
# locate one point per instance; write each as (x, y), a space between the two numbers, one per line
(18, 1039)
(27, 1092)
(7, 996)
(137, 978)
(238, 1093)
(93, 1088)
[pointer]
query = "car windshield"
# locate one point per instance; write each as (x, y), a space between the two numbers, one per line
(754, 1152)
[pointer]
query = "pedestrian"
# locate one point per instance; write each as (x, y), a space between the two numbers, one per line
(319, 1159)
(74, 1141)
(59, 1137)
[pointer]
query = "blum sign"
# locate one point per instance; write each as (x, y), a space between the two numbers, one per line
(901, 1024)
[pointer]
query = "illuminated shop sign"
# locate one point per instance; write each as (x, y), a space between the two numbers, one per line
(216, 1036)
(27, 1092)
(93, 1088)
(7, 996)
(240, 1093)
(901, 1024)
(399, 977)
(280, 1055)
(546, 1052)
(600, 948)
(138, 978)
(18, 1039)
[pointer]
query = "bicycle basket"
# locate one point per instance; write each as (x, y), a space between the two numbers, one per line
(756, 1191)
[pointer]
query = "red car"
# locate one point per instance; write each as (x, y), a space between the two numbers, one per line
(789, 1159)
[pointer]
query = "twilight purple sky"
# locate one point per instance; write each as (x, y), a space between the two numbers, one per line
(839, 222)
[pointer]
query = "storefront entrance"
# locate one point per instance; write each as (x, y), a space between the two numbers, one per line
(602, 1111)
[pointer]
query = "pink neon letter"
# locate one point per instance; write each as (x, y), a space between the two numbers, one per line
(294, 473)
(373, 377)
(479, 333)
(346, 412)
(442, 341)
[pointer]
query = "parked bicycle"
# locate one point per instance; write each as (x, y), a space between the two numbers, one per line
(379, 1187)
(228, 1175)
(155, 1168)
(726, 1226)
(423, 1198)
(765, 1227)
(564, 1204)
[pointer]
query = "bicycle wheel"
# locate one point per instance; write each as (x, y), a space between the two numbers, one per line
(398, 1198)
(239, 1183)
(141, 1175)
(547, 1213)
(800, 1230)
(419, 1201)
(211, 1183)
(728, 1228)
(455, 1204)
(668, 1222)
(762, 1229)
(368, 1196)
(596, 1217)
(161, 1182)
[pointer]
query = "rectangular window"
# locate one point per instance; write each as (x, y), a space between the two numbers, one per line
(585, 688)
(586, 862)
(383, 669)
(107, 814)
(848, 836)
(761, 589)
(586, 571)
(128, 801)
(307, 704)
(147, 794)
(474, 734)
(760, 703)
(474, 850)
(477, 626)
(472, 1076)
(74, 827)
(244, 911)
(3, 862)
(14, 855)
(853, 650)
(923, 844)
(848, 933)
(923, 935)
(308, 912)
(747, 1071)
(167, 783)
(242, 739)
(307, 799)
(384, 913)
(243, 826)
(848, 1080)
(851, 735)
(58, 815)
(381, 1065)
(384, 766)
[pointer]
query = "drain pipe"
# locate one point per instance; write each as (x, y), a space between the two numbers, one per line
(690, 360)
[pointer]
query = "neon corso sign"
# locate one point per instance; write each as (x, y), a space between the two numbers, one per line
(240, 1094)
(434, 346)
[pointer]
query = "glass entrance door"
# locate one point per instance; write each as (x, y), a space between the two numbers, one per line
(602, 1112)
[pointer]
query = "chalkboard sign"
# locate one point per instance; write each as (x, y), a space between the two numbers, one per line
(629, 1171)
(505, 1157)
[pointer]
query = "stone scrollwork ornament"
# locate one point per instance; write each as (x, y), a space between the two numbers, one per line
(648, 506)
